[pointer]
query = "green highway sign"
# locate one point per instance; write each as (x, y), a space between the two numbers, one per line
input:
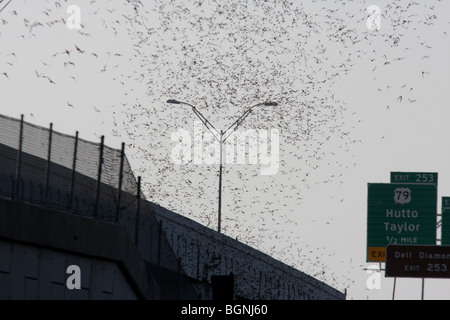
(399, 213)
(445, 227)
(414, 177)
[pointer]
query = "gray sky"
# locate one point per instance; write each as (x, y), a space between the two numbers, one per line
(355, 104)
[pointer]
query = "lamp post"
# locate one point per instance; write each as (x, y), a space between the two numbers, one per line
(221, 137)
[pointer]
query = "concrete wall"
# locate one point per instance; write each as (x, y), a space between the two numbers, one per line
(32, 189)
(37, 244)
(29, 272)
(205, 252)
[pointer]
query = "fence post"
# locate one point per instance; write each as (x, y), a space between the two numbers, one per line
(198, 261)
(47, 167)
(138, 209)
(159, 250)
(185, 250)
(179, 278)
(119, 188)
(99, 175)
(72, 178)
(278, 291)
(259, 286)
(19, 160)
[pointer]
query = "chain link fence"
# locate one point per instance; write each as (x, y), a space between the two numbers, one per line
(62, 172)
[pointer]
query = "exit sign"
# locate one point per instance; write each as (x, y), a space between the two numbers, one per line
(418, 261)
(445, 229)
(399, 214)
(414, 177)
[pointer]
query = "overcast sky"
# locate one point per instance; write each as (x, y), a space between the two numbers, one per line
(354, 105)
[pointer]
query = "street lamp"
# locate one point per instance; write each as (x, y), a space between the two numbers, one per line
(221, 137)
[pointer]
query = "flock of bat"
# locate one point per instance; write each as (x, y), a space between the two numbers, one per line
(223, 57)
